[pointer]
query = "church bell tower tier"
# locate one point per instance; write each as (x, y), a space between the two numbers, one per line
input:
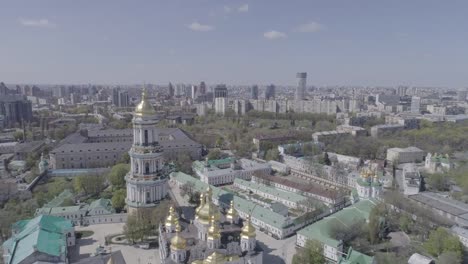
(146, 180)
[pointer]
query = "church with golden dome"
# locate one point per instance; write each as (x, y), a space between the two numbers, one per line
(211, 237)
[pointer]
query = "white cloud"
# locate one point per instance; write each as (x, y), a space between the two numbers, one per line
(195, 26)
(310, 27)
(273, 34)
(243, 8)
(227, 9)
(43, 23)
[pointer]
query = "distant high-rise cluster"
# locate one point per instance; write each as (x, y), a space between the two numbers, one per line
(254, 92)
(120, 98)
(301, 85)
(270, 92)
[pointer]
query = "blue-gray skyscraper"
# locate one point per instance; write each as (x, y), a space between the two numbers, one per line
(301, 85)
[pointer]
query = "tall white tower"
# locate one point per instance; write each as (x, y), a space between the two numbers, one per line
(301, 86)
(146, 180)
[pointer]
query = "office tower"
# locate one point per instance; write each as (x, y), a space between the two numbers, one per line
(171, 90)
(462, 95)
(120, 98)
(415, 104)
(221, 100)
(254, 92)
(401, 90)
(146, 181)
(16, 110)
(270, 92)
(301, 85)
(74, 98)
(202, 90)
(193, 92)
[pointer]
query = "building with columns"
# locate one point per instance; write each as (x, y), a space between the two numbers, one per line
(147, 178)
(212, 237)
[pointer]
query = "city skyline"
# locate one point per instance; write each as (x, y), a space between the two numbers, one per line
(420, 43)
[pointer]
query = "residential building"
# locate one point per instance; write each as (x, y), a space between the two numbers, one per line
(270, 92)
(301, 86)
(379, 130)
(412, 179)
(405, 155)
(16, 109)
(221, 99)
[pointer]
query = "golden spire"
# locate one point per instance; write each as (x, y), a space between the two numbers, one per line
(144, 107)
(178, 242)
(248, 230)
(231, 213)
(208, 209)
(171, 220)
(213, 231)
(202, 202)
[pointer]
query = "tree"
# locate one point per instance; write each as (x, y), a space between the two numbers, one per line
(438, 181)
(117, 175)
(89, 184)
(272, 154)
(131, 228)
(376, 220)
(214, 154)
(219, 142)
(68, 202)
(125, 158)
(405, 223)
(441, 241)
(18, 135)
(449, 257)
(118, 199)
(312, 253)
(184, 163)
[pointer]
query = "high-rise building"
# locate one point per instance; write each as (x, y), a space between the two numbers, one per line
(16, 110)
(221, 100)
(301, 86)
(202, 90)
(171, 90)
(193, 92)
(462, 95)
(254, 92)
(402, 90)
(415, 104)
(147, 178)
(120, 98)
(270, 92)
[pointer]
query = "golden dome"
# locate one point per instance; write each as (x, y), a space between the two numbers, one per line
(216, 258)
(202, 202)
(178, 242)
(144, 107)
(248, 230)
(111, 260)
(208, 209)
(213, 231)
(231, 213)
(171, 220)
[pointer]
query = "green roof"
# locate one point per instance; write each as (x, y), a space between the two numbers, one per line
(289, 196)
(356, 257)
(45, 234)
(199, 165)
(102, 203)
(320, 230)
(58, 200)
(264, 214)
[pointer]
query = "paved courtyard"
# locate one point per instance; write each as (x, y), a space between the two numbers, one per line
(87, 246)
(277, 251)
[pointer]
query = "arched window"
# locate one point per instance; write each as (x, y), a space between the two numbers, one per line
(146, 137)
(147, 168)
(136, 167)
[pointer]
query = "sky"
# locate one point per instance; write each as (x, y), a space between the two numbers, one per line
(347, 42)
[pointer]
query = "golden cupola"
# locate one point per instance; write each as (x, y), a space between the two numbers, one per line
(202, 202)
(208, 209)
(172, 219)
(144, 108)
(215, 258)
(178, 242)
(213, 231)
(232, 214)
(248, 230)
